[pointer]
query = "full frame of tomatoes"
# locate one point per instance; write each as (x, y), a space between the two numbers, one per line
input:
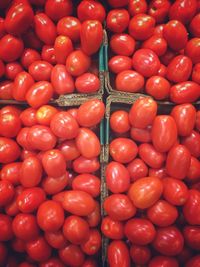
(152, 175)
(154, 48)
(50, 185)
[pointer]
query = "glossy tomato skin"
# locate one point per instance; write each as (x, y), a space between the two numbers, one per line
(85, 165)
(87, 83)
(129, 81)
(192, 142)
(140, 254)
(145, 192)
(146, 62)
(192, 50)
(141, 135)
(44, 114)
(194, 26)
(7, 192)
(22, 83)
(158, 87)
(12, 69)
(77, 63)
(58, 9)
(115, 210)
(6, 88)
(69, 150)
(193, 174)
(163, 261)
(118, 64)
(136, 7)
(119, 121)
(54, 185)
(28, 117)
(10, 172)
(91, 9)
(63, 47)
(10, 125)
(164, 133)
(56, 239)
(112, 229)
(66, 253)
(40, 70)
(122, 44)
(191, 207)
(195, 73)
(48, 54)
(94, 218)
(45, 28)
(52, 262)
(117, 20)
(29, 56)
(157, 44)
(92, 245)
(118, 254)
(159, 10)
(137, 169)
(10, 150)
(192, 236)
(70, 27)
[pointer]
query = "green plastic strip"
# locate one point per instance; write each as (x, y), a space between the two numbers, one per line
(106, 57)
(101, 58)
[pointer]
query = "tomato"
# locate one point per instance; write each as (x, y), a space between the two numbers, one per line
(78, 202)
(90, 262)
(115, 210)
(6, 227)
(29, 56)
(52, 262)
(30, 199)
(118, 254)
(52, 185)
(39, 94)
(137, 169)
(25, 226)
(87, 83)
(123, 150)
(40, 70)
(159, 10)
(70, 27)
(175, 34)
(31, 40)
(6, 192)
(167, 58)
(11, 48)
(136, 7)
(22, 138)
(192, 207)
(185, 117)
(162, 213)
(50, 216)
(31, 165)
(175, 191)
(85, 165)
(92, 245)
(117, 20)
(197, 123)
(91, 35)
(2, 27)
(18, 245)
(158, 87)
(184, 92)
(192, 50)
(160, 173)
(112, 229)
(164, 133)
(122, 44)
(38, 249)
(140, 231)
(88, 183)
(194, 261)
(63, 47)
(195, 73)
(66, 253)
(48, 54)
(10, 125)
(183, 10)
(45, 28)
(193, 174)
(129, 81)
(12, 69)
(141, 135)
(18, 18)
(194, 26)
(140, 254)
(69, 150)
(119, 121)
(10, 172)
(118, 64)
(44, 114)
(141, 26)
(192, 236)
(151, 156)
(163, 261)
(168, 241)
(10, 150)
(11, 209)
(192, 142)
(28, 117)
(157, 44)
(56, 239)
(94, 217)
(91, 10)
(142, 112)
(6, 88)
(158, 30)
(77, 63)
(11, 109)
(58, 9)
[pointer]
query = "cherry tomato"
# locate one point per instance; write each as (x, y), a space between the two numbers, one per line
(85, 165)
(160, 173)
(2, 27)
(192, 236)
(159, 10)
(31, 40)
(136, 7)
(88, 183)
(90, 262)
(90, 9)
(56, 239)
(22, 83)
(192, 207)
(10, 150)
(40, 70)
(10, 125)
(157, 44)
(58, 9)
(10, 172)
(29, 56)
(11, 209)
(87, 83)
(195, 73)
(192, 142)
(129, 81)
(112, 229)
(66, 253)
(52, 262)
(119, 121)
(63, 47)
(6, 192)
(77, 63)
(117, 20)
(44, 114)
(122, 44)
(118, 254)
(6, 89)
(141, 135)
(192, 50)
(118, 64)
(158, 87)
(194, 26)
(70, 27)
(28, 117)
(92, 245)
(48, 54)
(6, 227)
(94, 217)
(69, 150)
(140, 254)
(193, 174)
(137, 169)
(12, 69)
(18, 245)
(163, 261)
(52, 185)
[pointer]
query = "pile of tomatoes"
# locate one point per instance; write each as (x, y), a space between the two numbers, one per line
(50, 186)
(153, 178)
(155, 48)
(46, 49)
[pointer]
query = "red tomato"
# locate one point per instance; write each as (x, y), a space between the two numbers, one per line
(6, 192)
(112, 229)
(58, 9)
(93, 244)
(94, 218)
(157, 44)
(183, 10)
(39, 94)
(66, 253)
(167, 57)
(18, 245)
(63, 47)
(141, 135)
(6, 227)
(141, 26)
(118, 64)
(162, 213)
(87, 83)
(197, 124)
(45, 113)
(185, 117)
(90, 262)
(192, 236)
(29, 56)
(159, 10)
(163, 261)
(2, 27)
(194, 26)
(117, 20)
(38, 249)
(193, 174)
(69, 150)
(192, 50)
(123, 150)
(160, 173)
(52, 262)
(45, 29)
(140, 254)
(28, 117)
(10, 172)
(164, 133)
(122, 44)
(22, 83)
(52, 185)
(117, 177)
(119, 121)
(175, 34)
(90, 9)
(10, 125)
(118, 254)
(31, 165)
(158, 30)
(158, 87)
(77, 63)
(25, 226)
(48, 54)
(11, 48)
(129, 81)
(136, 7)
(2, 68)
(168, 241)
(22, 138)
(40, 70)
(84, 165)
(91, 35)
(145, 192)
(192, 207)
(30, 199)
(6, 89)
(196, 73)
(11, 209)
(192, 142)
(137, 169)
(175, 191)
(70, 27)
(56, 239)
(31, 40)
(78, 202)
(12, 69)
(11, 109)
(18, 18)
(115, 210)
(10, 150)
(88, 183)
